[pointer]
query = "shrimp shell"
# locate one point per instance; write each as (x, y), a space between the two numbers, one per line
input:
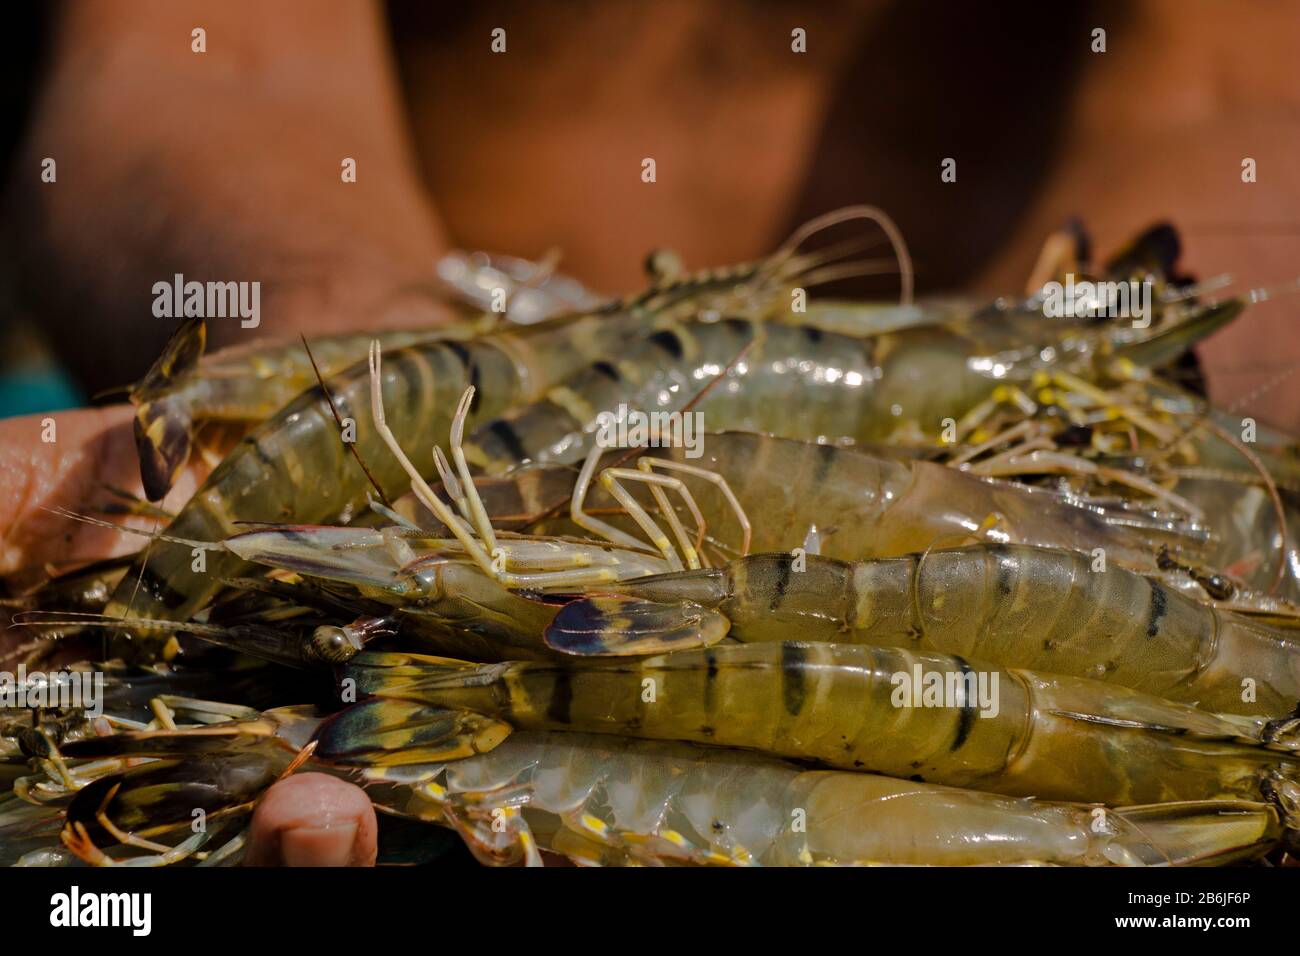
(604, 799)
(1016, 732)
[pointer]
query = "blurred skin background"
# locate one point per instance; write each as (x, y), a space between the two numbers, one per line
(225, 165)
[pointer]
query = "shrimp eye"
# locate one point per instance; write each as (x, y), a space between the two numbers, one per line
(333, 644)
(1217, 587)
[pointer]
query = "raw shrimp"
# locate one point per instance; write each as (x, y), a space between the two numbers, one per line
(1016, 606)
(295, 467)
(447, 601)
(370, 582)
(247, 384)
(600, 799)
(800, 382)
(927, 717)
(851, 503)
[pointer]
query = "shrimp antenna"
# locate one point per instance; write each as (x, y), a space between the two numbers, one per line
(352, 447)
(125, 529)
(1270, 485)
(111, 391)
(790, 247)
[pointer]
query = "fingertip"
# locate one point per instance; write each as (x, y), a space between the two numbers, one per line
(313, 819)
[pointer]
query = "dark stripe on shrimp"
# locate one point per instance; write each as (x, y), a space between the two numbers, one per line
(710, 677)
(969, 707)
(255, 443)
(607, 370)
(505, 433)
(462, 353)
(669, 341)
(1159, 606)
(784, 568)
(469, 369)
(411, 369)
(823, 459)
(793, 677)
(559, 707)
(548, 410)
(476, 379)
(1002, 562)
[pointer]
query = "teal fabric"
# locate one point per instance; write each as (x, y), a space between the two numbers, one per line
(28, 391)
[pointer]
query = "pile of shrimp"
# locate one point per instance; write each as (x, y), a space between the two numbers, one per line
(722, 573)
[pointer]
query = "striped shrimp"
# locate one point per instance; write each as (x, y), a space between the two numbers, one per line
(1017, 606)
(928, 717)
(847, 503)
(604, 799)
(247, 384)
(854, 503)
(1152, 254)
(600, 799)
(483, 587)
(593, 798)
(443, 599)
(800, 382)
(365, 583)
(243, 384)
(294, 465)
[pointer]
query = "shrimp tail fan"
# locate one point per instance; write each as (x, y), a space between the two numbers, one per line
(164, 427)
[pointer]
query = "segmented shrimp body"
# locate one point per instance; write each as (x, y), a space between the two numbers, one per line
(937, 718)
(1040, 608)
(296, 465)
(797, 381)
(604, 800)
